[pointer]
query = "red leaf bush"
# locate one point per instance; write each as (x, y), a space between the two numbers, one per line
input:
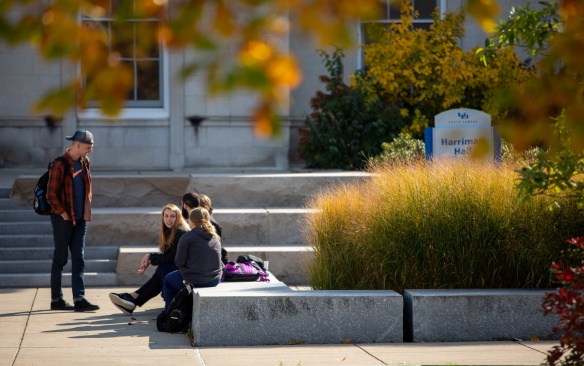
(567, 303)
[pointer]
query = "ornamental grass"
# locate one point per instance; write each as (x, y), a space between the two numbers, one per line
(447, 224)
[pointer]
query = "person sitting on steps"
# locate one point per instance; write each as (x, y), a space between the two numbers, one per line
(198, 257)
(206, 203)
(172, 228)
(192, 200)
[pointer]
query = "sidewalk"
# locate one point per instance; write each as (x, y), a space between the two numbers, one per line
(30, 334)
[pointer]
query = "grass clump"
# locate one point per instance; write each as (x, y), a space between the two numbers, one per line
(448, 224)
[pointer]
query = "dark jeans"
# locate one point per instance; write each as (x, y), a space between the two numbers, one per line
(68, 238)
(173, 283)
(153, 286)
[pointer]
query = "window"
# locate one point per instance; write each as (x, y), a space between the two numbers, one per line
(391, 12)
(134, 40)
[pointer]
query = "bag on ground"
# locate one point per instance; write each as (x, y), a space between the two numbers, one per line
(247, 271)
(40, 203)
(177, 318)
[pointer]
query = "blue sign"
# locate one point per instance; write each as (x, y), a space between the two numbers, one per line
(458, 131)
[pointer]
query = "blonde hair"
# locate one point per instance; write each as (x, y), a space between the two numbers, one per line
(205, 202)
(165, 241)
(201, 219)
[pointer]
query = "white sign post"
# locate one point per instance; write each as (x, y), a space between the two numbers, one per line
(458, 131)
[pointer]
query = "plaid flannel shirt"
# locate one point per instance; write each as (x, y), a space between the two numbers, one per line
(60, 188)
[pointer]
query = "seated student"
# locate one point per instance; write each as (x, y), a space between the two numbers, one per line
(206, 203)
(191, 200)
(198, 257)
(172, 228)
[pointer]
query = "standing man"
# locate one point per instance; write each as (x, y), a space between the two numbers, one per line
(69, 194)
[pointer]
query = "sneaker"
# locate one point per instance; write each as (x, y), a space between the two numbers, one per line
(61, 305)
(124, 302)
(84, 305)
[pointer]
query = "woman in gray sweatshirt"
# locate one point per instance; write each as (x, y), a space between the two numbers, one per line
(198, 257)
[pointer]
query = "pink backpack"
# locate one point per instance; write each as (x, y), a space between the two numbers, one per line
(248, 271)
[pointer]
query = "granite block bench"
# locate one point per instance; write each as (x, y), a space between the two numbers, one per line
(260, 313)
(475, 315)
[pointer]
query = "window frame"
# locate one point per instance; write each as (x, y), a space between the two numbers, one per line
(136, 112)
(360, 58)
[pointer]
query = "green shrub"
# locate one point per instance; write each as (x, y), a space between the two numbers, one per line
(345, 129)
(403, 148)
(449, 224)
(510, 154)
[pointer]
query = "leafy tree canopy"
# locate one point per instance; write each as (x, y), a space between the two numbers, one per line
(252, 28)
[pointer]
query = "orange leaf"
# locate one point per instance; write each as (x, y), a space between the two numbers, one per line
(284, 71)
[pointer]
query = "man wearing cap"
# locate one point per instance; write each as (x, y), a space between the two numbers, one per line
(69, 194)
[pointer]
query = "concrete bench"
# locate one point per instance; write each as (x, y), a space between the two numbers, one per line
(475, 315)
(259, 313)
(289, 264)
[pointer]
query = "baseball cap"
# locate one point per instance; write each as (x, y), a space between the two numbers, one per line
(83, 136)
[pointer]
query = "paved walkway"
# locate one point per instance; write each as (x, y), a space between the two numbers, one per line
(31, 334)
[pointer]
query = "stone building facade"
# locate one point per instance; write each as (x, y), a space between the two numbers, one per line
(164, 138)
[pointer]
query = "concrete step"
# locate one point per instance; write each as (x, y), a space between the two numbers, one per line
(5, 191)
(288, 263)
(267, 190)
(256, 226)
(225, 190)
(33, 227)
(31, 253)
(44, 266)
(14, 241)
(91, 279)
(138, 225)
(21, 215)
(7, 204)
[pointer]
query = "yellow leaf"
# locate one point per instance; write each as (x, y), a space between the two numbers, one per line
(284, 71)
(480, 150)
(224, 20)
(255, 52)
(485, 12)
(266, 121)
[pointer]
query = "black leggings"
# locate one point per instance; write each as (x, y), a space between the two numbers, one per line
(153, 286)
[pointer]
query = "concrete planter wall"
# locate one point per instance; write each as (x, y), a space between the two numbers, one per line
(475, 315)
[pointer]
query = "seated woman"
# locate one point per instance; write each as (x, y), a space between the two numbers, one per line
(206, 204)
(172, 228)
(191, 200)
(198, 257)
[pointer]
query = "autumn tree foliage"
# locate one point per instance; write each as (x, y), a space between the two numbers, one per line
(427, 71)
(410, 75)
(345, 129)
(255, 29)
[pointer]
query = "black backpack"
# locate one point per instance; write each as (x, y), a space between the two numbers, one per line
(178, 316)
(246, 258)
(41, 204)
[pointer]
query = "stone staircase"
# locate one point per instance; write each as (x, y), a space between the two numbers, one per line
(26, 250)
(259, 213)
